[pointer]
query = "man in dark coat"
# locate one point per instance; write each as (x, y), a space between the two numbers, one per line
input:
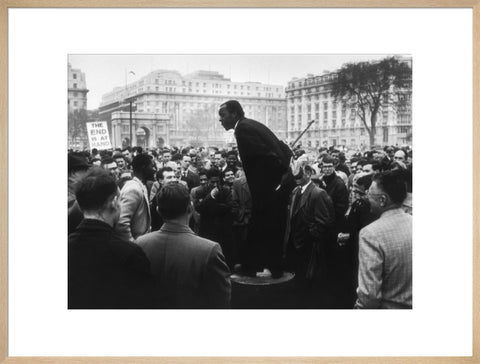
(265, 160)
(216, 219)
(337, 190)
(337, 256)
(103, 271)
(309, 230)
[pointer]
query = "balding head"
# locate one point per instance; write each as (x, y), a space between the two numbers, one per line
(399, 156)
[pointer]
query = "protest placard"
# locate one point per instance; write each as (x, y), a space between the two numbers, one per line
(98, 136)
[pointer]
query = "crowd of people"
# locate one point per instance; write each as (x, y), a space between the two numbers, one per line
(167, 227)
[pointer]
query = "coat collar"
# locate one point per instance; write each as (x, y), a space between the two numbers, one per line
(394, 211)
(95, 224)
(171, 227)
(236, 124)
(304, 197)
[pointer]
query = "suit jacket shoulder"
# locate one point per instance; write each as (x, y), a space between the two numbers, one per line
(191, 271)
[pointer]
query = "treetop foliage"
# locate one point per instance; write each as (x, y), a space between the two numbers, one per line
(370, 80)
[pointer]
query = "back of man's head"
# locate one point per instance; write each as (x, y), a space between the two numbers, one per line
(173, 201)
(77, 162)
(393, 183)
(140, 162)
(95, 189)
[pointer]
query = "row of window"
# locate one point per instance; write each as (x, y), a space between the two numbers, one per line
(76, 103)
(79, 94)
(325, 107)
(217, 85)
(312, 81)
(354, 143)
(352, 131)
(204, 91)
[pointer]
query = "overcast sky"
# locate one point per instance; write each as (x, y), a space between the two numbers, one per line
(104, 72)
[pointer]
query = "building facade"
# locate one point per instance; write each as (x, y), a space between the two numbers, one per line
(77, 109)
(191, 102)
(77, 89)
(336, 124)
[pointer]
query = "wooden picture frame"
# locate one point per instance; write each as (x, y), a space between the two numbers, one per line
(8, 4)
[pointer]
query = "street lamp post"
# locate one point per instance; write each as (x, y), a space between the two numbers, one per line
(131, 124)
(131, 104)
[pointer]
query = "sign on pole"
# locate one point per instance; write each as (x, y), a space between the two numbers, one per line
(98, 135)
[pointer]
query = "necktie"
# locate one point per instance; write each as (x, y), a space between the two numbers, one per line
(296, 199)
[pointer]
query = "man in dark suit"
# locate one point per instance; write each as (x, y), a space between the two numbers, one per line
(337, 190)
(337, 256)
(265, 160)
(190, 271)
(189, 173)
(214, 208)
(309, 228)
(103, 271)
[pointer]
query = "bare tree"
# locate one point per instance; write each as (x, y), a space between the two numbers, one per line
(366, 86)
(200, 124)
(77, 124)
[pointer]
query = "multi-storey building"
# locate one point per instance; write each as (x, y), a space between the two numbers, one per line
(77, 89)
(190, 103)
(309, 98)
(77, 109)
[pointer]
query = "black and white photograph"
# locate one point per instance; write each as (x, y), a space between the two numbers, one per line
(240, 181)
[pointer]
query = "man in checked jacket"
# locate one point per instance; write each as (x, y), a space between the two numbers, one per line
(385, 247)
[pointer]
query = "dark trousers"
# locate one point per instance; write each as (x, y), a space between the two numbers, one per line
(307, 290)
(267, 227)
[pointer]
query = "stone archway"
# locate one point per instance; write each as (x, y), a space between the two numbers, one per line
(143, 137)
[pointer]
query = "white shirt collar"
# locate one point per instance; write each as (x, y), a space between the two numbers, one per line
(305, 187)
(235, 127)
